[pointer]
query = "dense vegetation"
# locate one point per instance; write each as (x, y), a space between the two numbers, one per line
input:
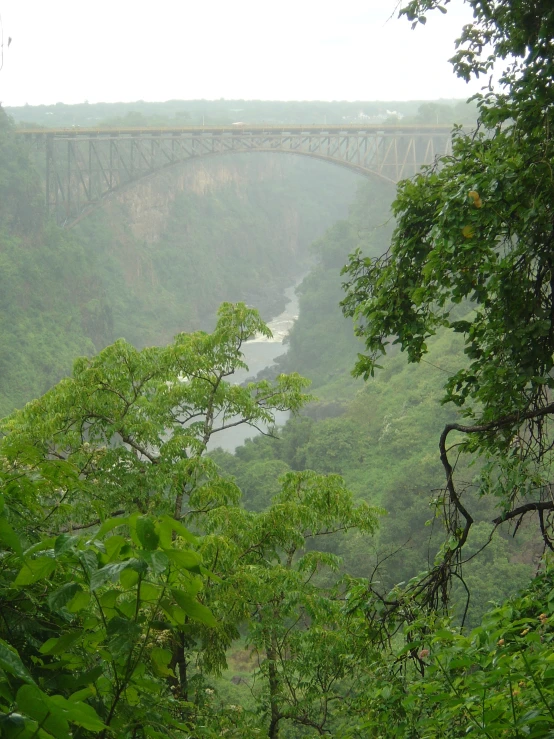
(244, 230)
(136, 568)
(381, 436)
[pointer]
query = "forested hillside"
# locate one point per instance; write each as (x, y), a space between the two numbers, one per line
(158, 260)
(381, 566)
(380, 436)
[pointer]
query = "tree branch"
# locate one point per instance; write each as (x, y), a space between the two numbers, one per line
(90, 524)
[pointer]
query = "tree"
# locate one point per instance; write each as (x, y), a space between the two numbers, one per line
(87, 619)
(118, 451)
(473, 253)
(136, 424)
(292, 593)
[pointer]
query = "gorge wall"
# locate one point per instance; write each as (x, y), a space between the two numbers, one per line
(156, 260)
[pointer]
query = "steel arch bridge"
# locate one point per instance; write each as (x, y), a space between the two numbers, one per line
(86, 166)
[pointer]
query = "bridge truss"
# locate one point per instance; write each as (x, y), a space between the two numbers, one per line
(86, 166)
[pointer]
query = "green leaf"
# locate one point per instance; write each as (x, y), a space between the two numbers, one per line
(79, 713)
(40, 546)
(78, 602)
(34, 570)
(158, 561)
(161, 656)
(60, 644)
(184, 559)
(149, 592)
(161, 659)
(5, 693)
(61, 597)
(34, 703)
(9, 537)
(123, 627)
(110, 524)
(174, 612)
(113, 546)
(11, 663)
(109, 599)
(128, 579)
(179, 529)
(146, 532)
(112, 571)
(89, 560)
(63, 543)
(81, 695)
(193, 608)
(13, 725)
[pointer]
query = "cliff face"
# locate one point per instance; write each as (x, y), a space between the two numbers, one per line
(148, 205)
(157, 260)
(232, 228)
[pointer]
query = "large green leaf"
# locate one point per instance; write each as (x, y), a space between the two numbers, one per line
(61, 597)
(11, 663)
(146, 532)
(63, 543)
(79, 713)
(110, 524)
(112, 571)
(80, 600)
(34, 570)
(193, 608)
(161, 659)
(184, 559)
(55, 713)
(170, 524)
(58, 645)
(123, 627)
(34, 703)
(158, 561)
(9, 537)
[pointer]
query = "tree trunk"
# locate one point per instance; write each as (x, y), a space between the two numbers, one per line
(273, 732)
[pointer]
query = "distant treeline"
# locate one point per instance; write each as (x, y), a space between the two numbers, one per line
(215, 112)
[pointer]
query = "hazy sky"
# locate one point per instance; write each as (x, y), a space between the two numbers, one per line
(124, 50)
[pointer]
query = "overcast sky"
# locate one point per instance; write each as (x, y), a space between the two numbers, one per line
(125, 50)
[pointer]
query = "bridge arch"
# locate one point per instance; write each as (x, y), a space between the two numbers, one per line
(111, 194)
(85, 167)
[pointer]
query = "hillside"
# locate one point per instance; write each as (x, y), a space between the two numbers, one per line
(157, 260)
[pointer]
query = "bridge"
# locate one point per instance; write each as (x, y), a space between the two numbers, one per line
(85, 166)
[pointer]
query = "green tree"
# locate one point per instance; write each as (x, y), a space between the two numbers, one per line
(492, 682)
(290, 594)
(87, 619)
(472, 253)
(118, 451)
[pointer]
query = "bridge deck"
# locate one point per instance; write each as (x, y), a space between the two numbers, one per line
(234, 129)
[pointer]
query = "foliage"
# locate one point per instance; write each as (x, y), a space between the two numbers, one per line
(493, 682)
(136, 423)
(472, 252)
(119, 446)
(87, 623)
(290, 592)
(115, 632)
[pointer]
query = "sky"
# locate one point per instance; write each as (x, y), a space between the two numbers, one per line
(126, 50)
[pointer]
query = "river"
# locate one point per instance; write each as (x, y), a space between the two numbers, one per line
(259, 354)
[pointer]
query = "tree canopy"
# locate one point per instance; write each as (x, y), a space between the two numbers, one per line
(472, 253)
